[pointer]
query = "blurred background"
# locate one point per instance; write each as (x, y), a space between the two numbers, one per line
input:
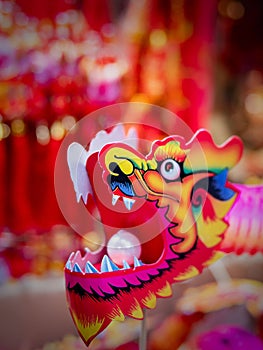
(61, 60)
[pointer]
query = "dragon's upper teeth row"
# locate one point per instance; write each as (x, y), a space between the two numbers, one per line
(107, 265)
(128, 202)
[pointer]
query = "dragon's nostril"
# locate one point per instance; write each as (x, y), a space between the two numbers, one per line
(114, 168)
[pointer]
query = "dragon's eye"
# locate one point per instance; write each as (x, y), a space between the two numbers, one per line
(170, 169)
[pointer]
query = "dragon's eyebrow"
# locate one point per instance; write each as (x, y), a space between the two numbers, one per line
(171, 149)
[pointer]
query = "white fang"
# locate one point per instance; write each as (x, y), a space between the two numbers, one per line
(128, 202)
(115, 198)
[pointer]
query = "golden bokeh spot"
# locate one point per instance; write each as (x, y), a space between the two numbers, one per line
(18, 127)
(4, 131)
(158, 38)
(42, 134)
(57, 130)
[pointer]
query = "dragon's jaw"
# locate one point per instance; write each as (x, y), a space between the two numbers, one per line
(102, 292)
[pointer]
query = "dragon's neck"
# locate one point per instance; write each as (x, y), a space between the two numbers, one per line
(245, 231)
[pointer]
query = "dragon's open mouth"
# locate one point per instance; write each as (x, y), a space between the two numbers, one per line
(135, 248)
(123, 251)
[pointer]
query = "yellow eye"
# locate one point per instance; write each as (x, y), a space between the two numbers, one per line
(170, 169)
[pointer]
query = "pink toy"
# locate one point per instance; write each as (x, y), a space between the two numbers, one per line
(228, 337)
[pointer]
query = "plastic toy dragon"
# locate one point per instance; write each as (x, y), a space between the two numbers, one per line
(166, 217)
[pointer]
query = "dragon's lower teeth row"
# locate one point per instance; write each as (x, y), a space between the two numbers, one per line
(107, 265)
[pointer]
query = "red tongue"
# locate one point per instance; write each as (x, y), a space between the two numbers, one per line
(152, 250)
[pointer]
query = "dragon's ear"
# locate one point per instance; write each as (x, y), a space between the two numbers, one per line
(77, 157)
(216, 186)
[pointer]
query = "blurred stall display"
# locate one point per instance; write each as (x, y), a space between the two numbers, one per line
(80, 57)
(68, 342)
(172, 53)
(220, 338)
(200, 317)
(35, 253)
(215, 296)
(35, 307)
(173, 332)
(239, 77)
(61, 60)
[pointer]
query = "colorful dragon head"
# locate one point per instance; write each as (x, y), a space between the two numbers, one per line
(163, 216)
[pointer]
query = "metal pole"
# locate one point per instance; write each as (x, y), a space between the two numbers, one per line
(143, 333)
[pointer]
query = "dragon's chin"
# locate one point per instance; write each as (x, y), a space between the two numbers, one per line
(98, 294)
(99, 291)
